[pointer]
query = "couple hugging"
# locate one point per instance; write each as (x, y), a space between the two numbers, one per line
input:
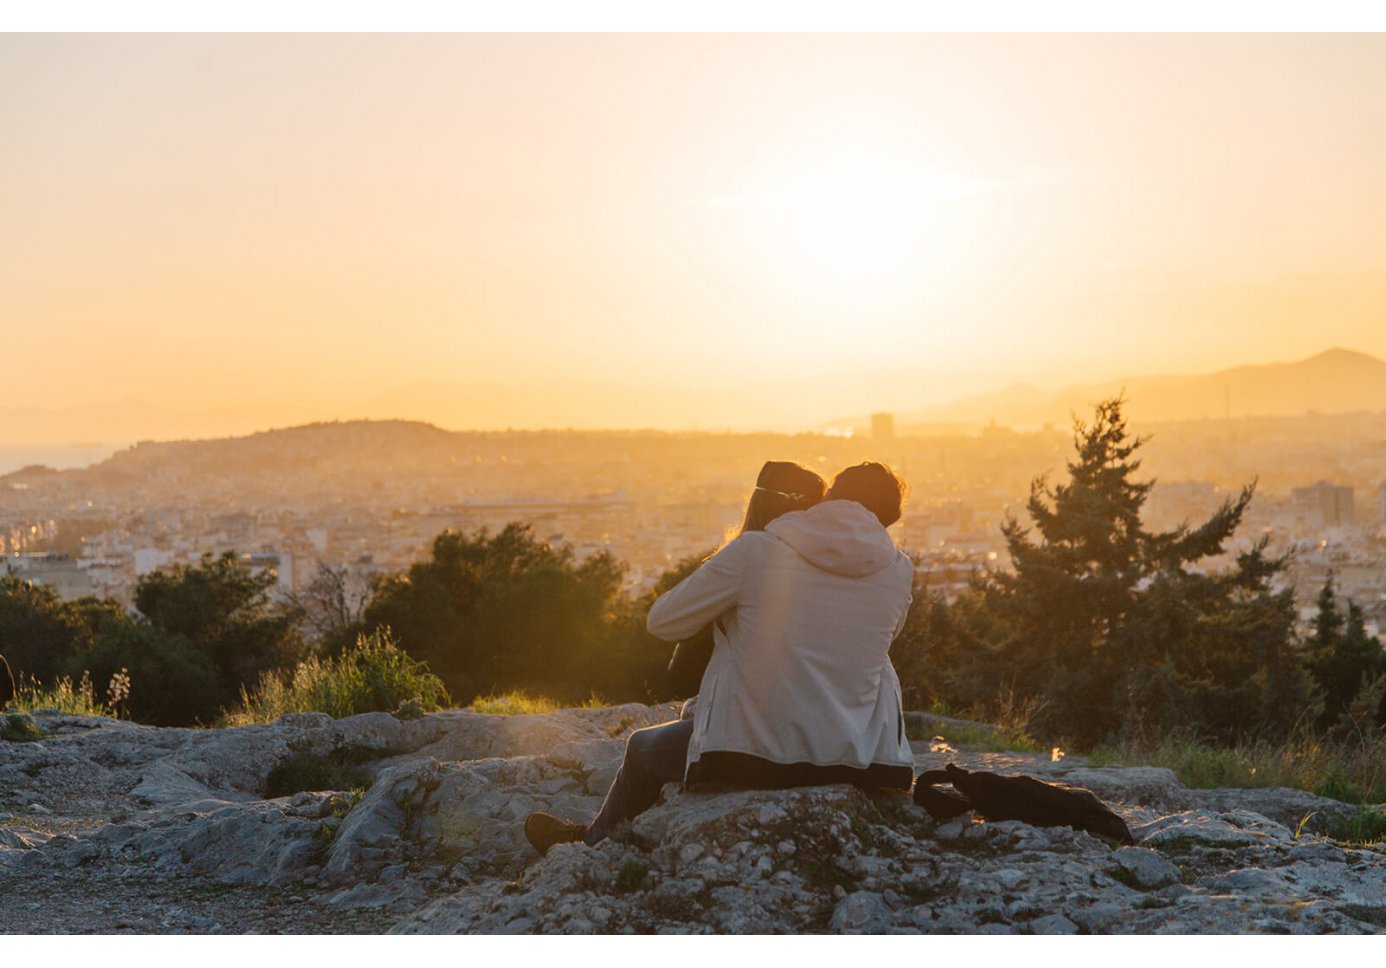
(799, 691)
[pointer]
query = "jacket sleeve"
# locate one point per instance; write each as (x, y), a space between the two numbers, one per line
(904, 619)
(909, 600)
(701, 597)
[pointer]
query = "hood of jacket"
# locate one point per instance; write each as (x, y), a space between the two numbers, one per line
(841, 537)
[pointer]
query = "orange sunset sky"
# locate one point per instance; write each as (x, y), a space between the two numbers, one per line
(749, 231)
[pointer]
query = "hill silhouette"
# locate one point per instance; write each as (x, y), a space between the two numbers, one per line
(1335, 381)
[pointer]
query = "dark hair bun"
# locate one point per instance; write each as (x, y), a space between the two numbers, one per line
(788, 477)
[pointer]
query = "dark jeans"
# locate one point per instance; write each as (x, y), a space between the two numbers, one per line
(654, 756)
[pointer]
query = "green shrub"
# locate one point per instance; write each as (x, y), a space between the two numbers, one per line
(19, 728)
(372, 676)
(171, 682)
(1337, 787)
(204, 633)
(631, 876)
(339, 770)
(39, 632)
(504, 611)
(223, 611)
(1365, 826)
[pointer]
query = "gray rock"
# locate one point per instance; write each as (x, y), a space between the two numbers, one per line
(22, 838)
(952, 830)
(1233, 829)
(364, 896)
(861, 913)
(1147, 869)
(1053, 924)
(1285, 806)
(1250, 882)
(1010, 878)
(1151, 785)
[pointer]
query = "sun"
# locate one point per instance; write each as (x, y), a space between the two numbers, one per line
(859, 221)
(855, 218)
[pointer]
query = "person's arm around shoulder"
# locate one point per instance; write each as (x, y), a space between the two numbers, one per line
(701, 597)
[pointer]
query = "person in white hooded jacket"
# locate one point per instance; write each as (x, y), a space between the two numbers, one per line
(800, 689)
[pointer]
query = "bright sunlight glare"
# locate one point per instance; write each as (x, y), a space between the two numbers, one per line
(851, 220)
(863, 220)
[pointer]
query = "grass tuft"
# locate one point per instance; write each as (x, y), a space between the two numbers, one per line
(63, 696)
(19, 728)
(339, 770)
(1351, 772)
(372, 676)
(1366, 828)
(516, 703)
(520, 703)
(631, 876)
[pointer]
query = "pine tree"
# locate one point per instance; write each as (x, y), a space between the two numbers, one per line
(1341, 656)
(1110, 628)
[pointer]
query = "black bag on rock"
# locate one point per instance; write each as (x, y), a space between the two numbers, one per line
(1023, 798)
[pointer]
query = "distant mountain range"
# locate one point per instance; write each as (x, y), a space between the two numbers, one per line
(1336, 381)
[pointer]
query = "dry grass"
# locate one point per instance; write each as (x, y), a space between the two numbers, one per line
(63, 695)
(1353, 771)
(520, 703)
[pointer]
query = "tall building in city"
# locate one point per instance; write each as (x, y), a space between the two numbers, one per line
(882, 427)
(1323, 504)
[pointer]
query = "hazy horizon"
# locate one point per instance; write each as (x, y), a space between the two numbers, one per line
(676, 232)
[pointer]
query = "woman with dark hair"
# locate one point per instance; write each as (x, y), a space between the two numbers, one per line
(782, 486)
(800, 689)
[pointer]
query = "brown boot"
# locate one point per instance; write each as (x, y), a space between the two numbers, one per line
(543, 830)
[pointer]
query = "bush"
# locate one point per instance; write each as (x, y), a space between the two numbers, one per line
(339, 770)
(19, 728)
(372, 676)
(1365, 826)
(225, 612)
(206, 632)
(39, 632)
(504, 611)
(171, 681)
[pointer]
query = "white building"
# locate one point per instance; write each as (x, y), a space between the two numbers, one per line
(151, 559)
(53, 570)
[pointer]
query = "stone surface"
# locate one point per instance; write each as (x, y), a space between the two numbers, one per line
(113, 827)
(1147, 869)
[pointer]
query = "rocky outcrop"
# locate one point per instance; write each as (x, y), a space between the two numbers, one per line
(430, 841)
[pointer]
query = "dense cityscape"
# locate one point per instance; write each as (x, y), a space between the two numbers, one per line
(372, 496)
